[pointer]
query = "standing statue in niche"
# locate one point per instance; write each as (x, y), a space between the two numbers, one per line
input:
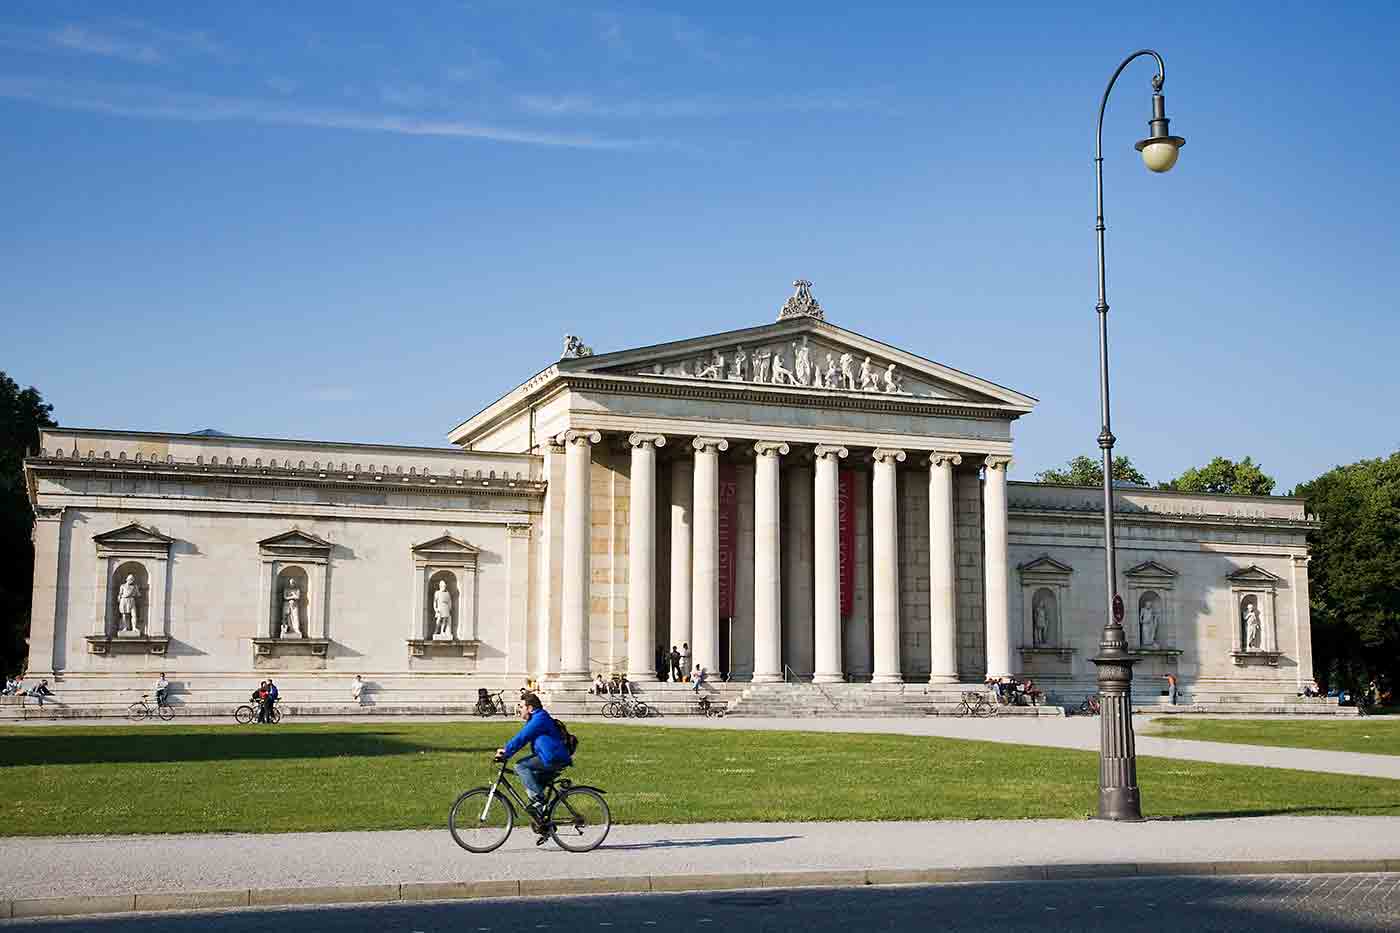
(802, 369)
(1147, 626)
(1253, 631)
(848, 375)
(442, 612)
(738, 368)
(291, 609)
(127, 595)
(1041, 626)
(868, 381)
(830, 381)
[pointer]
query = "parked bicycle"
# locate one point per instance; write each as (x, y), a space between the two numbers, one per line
(248, 713)
(575, 816)
(705, 707)
(142, 710)
(624, 706)
(1090, 706)
(975, 703)
(490, 704)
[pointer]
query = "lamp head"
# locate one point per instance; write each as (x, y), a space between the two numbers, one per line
(1159, 151)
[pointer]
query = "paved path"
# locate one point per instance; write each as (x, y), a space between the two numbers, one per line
(70, 866)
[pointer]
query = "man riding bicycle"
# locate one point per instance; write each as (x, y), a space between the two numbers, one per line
(548, 753)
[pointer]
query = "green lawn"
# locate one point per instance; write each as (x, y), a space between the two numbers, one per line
(398, 776)
(1376, 735)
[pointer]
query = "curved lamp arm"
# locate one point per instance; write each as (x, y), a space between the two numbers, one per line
(1157, 82)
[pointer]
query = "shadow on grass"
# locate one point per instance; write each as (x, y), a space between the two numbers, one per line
(697, 843)
(173, 746)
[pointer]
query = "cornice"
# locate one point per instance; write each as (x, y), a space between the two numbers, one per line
(1156, 516)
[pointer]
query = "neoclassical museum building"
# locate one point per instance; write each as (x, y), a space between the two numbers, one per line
(795, 501)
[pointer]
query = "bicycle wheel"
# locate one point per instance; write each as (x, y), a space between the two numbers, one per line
(964, 708)
(580, 819)
(137, 711)
(274, 715)
(614, 708)
(480, 821)
(167, 712)
(482, 709)
(641, 710)
(243, 715)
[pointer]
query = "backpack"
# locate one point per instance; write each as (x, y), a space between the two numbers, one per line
(568, 738)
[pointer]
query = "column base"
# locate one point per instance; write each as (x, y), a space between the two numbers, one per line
(943, 679)
(766, 678)
(887, 679)
(828, 678)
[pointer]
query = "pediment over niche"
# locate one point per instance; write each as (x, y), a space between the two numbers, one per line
(1149, 568)
(1254, 574)
(133, 533)
(445, 550)
(295, 540)
(803, 354)
(1045, 564)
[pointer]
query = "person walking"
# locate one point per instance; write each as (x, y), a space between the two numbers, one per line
(675, 658)
(357, 691)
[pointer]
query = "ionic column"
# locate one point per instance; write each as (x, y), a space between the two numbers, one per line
(704, 601)
(48, 529)
(641, 558)
(884, 555)
(767, 564)
(573, 647)
(826, 559)
(994, 524)
(943, 620)
(682, 505)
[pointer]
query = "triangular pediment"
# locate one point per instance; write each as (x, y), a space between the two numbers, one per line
(802, 354)
(447, 544)
(1045, 564)
(296, 538)
(1253, 574)
(133, 533)
(1149, 568)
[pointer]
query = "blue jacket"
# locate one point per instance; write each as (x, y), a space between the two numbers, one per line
(545, 741)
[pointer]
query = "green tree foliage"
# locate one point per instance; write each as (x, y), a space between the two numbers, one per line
(1088, 471)
(1224, 476)
(22, 413)
(1355, 584)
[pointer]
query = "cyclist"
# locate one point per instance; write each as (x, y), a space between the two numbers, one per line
(548, 754)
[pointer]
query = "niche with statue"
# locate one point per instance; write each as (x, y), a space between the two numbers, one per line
(133, 567)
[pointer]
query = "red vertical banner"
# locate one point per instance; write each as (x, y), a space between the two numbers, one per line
(728, 536)
(845, 510)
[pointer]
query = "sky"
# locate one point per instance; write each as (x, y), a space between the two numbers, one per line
(354, 222)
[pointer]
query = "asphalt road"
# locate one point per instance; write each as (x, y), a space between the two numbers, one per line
(1268, 904)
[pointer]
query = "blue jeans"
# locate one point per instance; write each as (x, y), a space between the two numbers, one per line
(534, 775)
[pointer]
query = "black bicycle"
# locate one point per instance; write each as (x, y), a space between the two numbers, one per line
(624, 706)
(706, 707)
(491, 704)
(975, 703)
(248, 713)
(575, 816)
(1090, 706)
(142, 710)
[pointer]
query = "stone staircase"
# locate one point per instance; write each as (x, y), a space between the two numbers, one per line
(805, 700)
(666, 699)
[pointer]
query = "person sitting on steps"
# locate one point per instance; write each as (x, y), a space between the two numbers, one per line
(548, 756)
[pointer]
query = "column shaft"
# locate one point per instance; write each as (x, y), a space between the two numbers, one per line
(767, 565)
(682, 507)
(999, 640)
(943, 620)
(573, 653)
(885, 557)
(705, 593)
(826, 559)
(641, 558)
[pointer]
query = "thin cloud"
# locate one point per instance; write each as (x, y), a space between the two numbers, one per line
(584, 105)
(82, 39)
(120, 40)
(157, 104)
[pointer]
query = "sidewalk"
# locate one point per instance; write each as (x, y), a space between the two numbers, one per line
(236, 870)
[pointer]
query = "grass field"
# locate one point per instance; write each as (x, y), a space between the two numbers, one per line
(1375, 735)
(320, 777)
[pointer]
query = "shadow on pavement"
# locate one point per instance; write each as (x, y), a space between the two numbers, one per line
(693, 843)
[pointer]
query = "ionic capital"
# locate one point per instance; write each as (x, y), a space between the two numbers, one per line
(518, 531)
(582, 437)
(998, 461)
(642, 440)
(823, 451)
(771, 449)
(887, 455)
(706, 444)
(943, 458)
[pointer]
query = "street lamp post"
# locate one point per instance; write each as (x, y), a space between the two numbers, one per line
(1119, 798)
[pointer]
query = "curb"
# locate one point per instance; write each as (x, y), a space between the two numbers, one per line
(31, 907)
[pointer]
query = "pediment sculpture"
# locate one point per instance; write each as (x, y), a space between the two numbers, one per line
(799, 364)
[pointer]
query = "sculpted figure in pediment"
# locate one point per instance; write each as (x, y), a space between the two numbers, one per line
(830, 381)
(761, 359)
(868, 380)
(781, 374)
(680, 369)
(892, 385)
(848, 375)
(802, 369)
(738, 367)
(713, 369)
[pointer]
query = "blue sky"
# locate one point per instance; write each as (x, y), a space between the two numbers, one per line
(350, 222)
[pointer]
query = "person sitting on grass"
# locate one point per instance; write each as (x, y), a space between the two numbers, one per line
(548, 756)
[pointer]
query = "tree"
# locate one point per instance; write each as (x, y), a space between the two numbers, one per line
(22, 414)
(1224, 476)
(1354, 586)
(1087, 471)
